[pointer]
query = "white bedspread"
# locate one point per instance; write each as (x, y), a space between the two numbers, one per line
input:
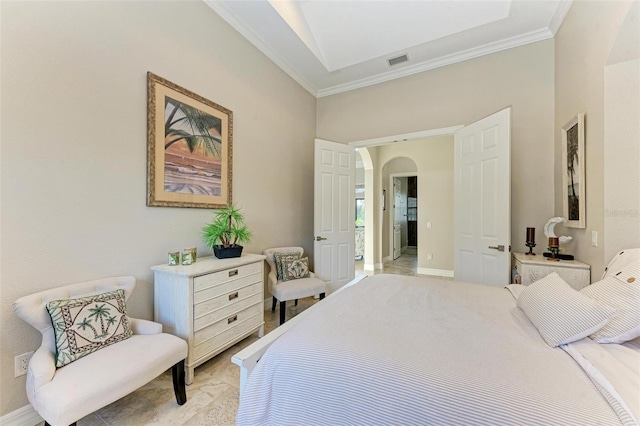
(395, 350)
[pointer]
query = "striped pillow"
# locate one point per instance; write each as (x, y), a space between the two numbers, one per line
(621, 292)
(560, 313)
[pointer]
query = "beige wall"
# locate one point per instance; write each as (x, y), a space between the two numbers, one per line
(432, 160)
(582, 46)
(522, 78)
(74, 148)
(621, 138)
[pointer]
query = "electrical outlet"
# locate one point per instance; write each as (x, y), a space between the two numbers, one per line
(21, 363)
(429, 256)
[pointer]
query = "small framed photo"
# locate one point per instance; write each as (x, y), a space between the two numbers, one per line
(573, 173)
(189, 148)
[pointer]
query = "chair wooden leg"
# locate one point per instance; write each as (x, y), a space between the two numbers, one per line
(283, 308)
(273, 304)
(296, 302)
(179, 386)
(321, 296)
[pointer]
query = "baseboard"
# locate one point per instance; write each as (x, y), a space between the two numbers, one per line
(369, 267)
(21, 417)
(378, 266)
(386, 259)
(437, 272)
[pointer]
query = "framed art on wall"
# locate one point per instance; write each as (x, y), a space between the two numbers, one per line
(189, 148)
(573, 173)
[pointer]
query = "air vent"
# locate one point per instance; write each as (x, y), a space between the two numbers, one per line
(398, 60)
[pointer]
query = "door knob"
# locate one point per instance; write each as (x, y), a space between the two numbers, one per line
(320, 238)
(499, 248)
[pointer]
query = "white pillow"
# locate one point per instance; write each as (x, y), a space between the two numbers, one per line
(621, 292)
(622, 261)
(560, 313)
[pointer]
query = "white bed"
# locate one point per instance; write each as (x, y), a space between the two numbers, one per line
(408, 351)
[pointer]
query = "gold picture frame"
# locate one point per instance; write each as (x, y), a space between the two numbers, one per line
(189, 148)
(573, 173)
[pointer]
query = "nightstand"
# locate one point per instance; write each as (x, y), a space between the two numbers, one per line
(532, 268)
(212, 304)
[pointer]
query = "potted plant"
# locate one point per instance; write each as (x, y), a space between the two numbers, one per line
(225, 233)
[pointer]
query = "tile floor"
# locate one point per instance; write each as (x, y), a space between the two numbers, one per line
(212, 399)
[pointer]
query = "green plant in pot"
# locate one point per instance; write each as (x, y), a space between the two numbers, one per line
(226, 232)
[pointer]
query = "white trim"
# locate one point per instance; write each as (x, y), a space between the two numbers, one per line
(379, 266)
(436, 272)
(221, 9)
(21, 417)
(559, 15)
(384, 259)
(489, 48)
(406, 136)
(520, 40)
(369, 267)
(392, 210)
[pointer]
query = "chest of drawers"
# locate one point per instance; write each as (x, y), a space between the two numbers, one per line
(530, 269)
(212, 304)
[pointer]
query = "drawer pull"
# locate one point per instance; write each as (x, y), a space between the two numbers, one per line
(232, 319)
(233, 296)
(233, 273)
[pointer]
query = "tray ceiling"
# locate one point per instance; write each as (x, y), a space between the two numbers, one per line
(331, 47)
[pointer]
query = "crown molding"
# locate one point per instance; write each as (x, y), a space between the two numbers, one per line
(521, 40)
(559, 15)
(534, 36)
(221, 9)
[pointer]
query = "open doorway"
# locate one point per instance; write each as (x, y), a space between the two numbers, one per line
(400, 211)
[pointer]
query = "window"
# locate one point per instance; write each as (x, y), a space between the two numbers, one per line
(359, 212)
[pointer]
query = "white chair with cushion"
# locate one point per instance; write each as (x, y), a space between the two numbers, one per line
(106, 354)
(283, 289)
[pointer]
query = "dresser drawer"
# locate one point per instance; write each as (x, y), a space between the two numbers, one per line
(234, 296)
(229, 335)
(225, 288)
(209, 318)
(216, 328)
(217, 278)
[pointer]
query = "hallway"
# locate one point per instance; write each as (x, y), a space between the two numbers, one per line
(406, 264)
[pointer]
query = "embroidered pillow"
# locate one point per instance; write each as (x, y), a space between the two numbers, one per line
(560, 313)
(87, 324)
(280, 258)
(294, 269)
(621, 292)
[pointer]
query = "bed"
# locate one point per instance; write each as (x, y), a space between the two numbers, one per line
(405, 350)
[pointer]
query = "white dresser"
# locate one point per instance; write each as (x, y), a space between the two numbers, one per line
(212, 304)
(529, 269)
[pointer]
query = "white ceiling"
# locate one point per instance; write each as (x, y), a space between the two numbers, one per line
(332, 46)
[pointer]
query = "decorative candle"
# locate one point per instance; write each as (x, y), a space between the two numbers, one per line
(174, 258)
(554, 242)
(531, 235)
(187, 258)
(193, 251)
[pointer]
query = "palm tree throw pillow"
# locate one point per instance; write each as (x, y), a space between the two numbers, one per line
(87, 324)
(296, 268)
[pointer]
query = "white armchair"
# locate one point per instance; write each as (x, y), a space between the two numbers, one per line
(63, 395)
(293, 289)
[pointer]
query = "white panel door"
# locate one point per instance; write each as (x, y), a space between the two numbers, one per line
(397, 218)
(334, 213)
(482, 201)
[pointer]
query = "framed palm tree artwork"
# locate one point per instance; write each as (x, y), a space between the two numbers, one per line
(189, 148)
(573, 175)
